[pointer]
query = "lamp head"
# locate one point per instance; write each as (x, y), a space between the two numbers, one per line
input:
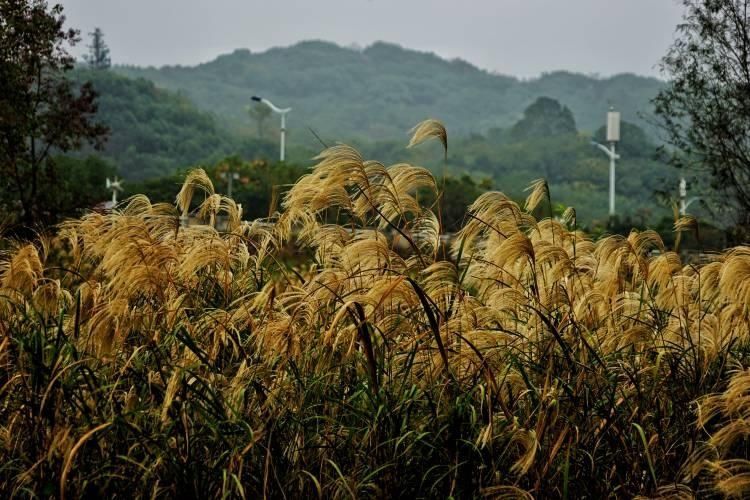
(115, 184)
(613, 125)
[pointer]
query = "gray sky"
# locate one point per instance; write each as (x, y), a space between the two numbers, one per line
(516, 37)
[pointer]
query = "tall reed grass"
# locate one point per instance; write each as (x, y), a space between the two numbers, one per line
(145, 359)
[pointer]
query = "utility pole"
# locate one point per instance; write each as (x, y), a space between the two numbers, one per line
(683, 195)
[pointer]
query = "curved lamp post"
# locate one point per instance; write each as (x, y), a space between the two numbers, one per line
(684, 201)
(282, 112)
(613, 136)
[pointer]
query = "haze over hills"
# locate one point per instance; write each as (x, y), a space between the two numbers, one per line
(380, 91)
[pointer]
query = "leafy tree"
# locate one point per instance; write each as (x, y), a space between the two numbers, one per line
(705, 109)
(80, 185)
(40, 114)
(634, 142)
(545, 117)
(98, 56)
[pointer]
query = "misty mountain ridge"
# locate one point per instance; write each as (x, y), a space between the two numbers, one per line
(380, 91)
(371, 102)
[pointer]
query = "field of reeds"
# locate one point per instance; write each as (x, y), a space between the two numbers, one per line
(141, 358)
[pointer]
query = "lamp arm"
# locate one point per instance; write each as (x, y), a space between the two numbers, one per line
(604, 148)
(276, 109)
(691, 200)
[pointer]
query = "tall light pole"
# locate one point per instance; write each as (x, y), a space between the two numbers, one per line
(613, 136)
(282, 112)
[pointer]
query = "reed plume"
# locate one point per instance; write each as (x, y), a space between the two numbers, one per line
(332, 350)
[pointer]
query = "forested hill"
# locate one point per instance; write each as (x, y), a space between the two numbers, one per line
(154, 131)
(381, 91)
(157, 131)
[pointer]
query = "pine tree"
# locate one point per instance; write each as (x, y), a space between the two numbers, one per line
(98, 56)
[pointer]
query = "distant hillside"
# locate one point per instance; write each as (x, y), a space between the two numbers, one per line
(156, 131)
(371, 99)
(383, 90)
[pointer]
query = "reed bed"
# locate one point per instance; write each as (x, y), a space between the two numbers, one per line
(141, 358)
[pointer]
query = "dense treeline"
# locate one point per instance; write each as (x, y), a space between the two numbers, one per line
(545, 143)
(156, 133)
(261, 185)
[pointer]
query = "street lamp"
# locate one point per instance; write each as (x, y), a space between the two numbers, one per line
(115, 186)
(282, 112)
(613, 136)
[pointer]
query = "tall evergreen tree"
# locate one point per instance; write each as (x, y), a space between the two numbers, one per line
(98, 56)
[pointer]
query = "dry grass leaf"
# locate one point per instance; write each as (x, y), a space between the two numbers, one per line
(429, 129)
(539, 192)
(335, 332)
(569, 216)
(686, 223)
(197, 179)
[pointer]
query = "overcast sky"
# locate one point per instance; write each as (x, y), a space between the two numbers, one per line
(516, 37)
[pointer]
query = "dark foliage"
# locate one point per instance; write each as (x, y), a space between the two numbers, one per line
(40, 112)
(545, 117)
(156, 132)
(705, 110)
